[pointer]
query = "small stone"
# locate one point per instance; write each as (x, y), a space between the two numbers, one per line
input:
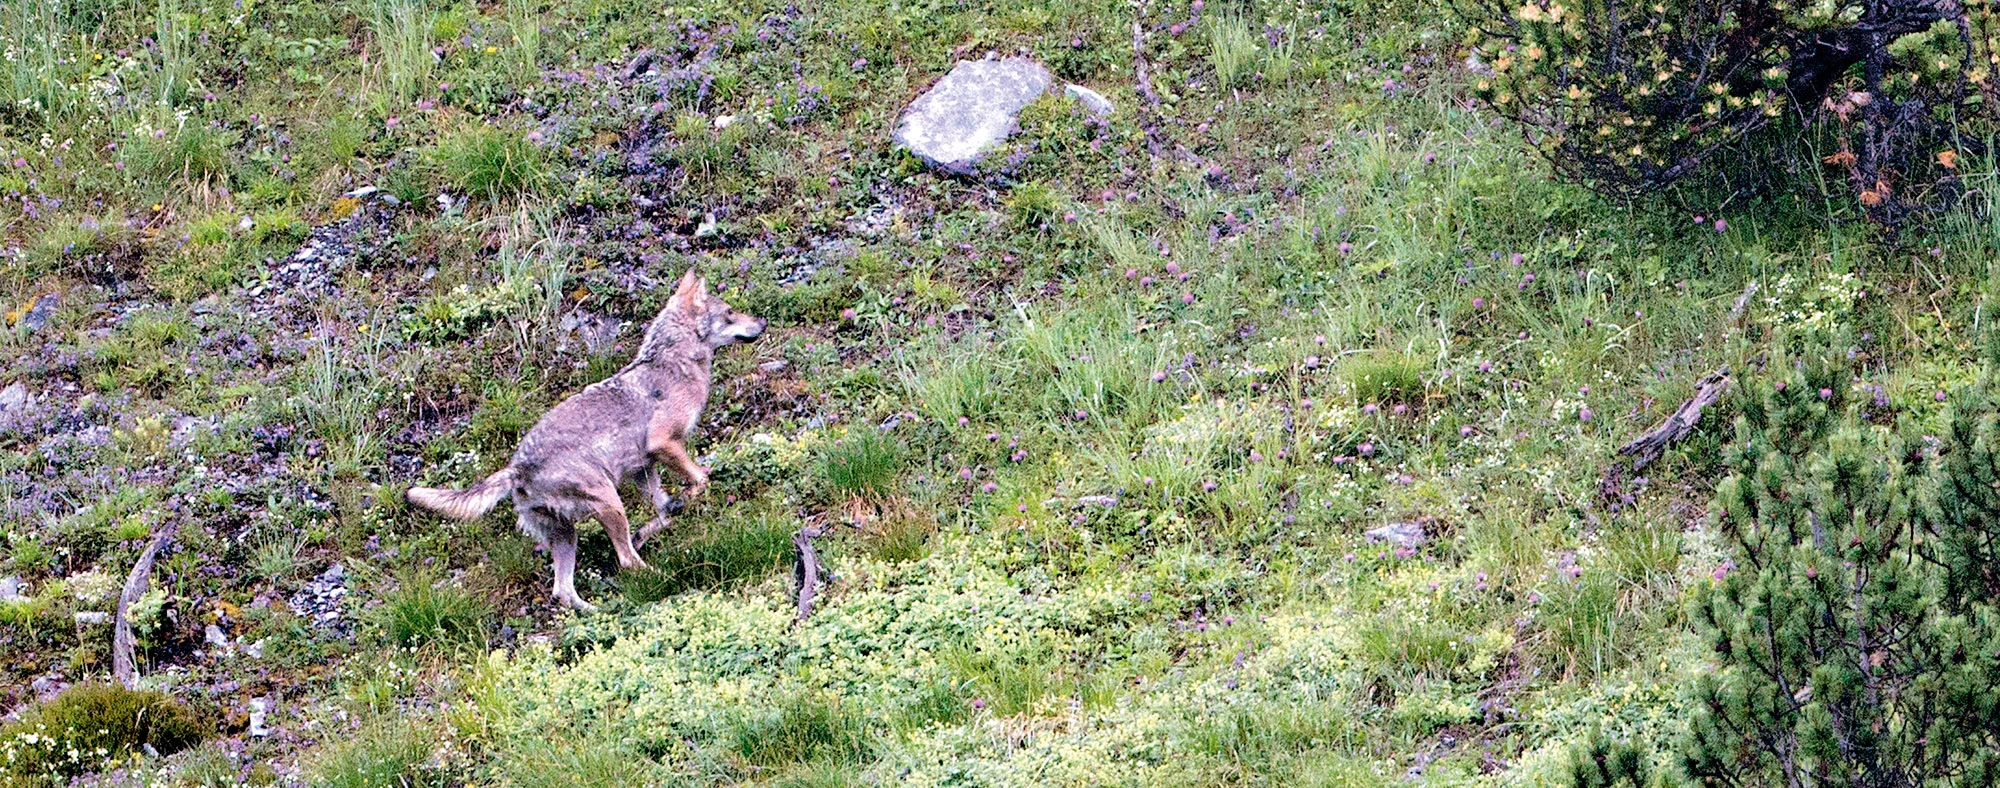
(774, 366)
(1406, 535)
(213, 634)
(1090, 99)
(642, 63)
(92, 617)
(707, 226)
(260, 711)
(38, 315)
(14, 397)
(10, 589)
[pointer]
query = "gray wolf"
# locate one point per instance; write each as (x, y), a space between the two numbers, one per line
(619, 429)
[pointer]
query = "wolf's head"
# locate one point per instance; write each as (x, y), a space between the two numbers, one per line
(713, 322)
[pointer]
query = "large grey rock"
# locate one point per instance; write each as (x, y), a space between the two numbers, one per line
(969, 111)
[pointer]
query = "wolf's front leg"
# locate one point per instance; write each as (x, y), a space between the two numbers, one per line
(661, 504)
(697, 476)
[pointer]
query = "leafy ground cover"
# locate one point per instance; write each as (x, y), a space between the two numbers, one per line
(1095, 434)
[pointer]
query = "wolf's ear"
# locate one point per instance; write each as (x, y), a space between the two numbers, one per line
(687, 294)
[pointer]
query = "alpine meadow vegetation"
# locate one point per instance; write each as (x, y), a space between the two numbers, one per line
(1261, 430)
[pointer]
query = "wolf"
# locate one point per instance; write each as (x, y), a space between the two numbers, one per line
(619, 429)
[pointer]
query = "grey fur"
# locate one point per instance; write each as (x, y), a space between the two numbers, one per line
(620, 429)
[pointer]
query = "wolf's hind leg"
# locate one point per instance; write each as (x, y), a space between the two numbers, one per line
(611, 513)
(562, 546)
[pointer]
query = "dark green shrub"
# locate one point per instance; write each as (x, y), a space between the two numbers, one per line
(1604, 762)
(89, 725)
(1850, 651)
(1634, 97)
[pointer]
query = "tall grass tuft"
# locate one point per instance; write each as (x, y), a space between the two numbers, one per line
(863, 464)
(40, 75)
(491, 163)
(422, 612)
(535, 252)
(524, 21)
(1232, 51)
(175, 42)
(403, 42)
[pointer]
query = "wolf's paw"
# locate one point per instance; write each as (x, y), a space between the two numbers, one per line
(576, 603)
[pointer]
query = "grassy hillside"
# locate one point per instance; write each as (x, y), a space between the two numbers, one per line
(1094, 435)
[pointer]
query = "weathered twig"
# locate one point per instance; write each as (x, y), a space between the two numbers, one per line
(124, 664)
(806, 570)
(1648, 447)
(1737, 309)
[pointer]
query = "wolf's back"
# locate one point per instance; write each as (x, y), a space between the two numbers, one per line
(469, 503)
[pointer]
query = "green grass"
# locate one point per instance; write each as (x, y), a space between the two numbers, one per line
(422, 612)
(381, 753)
(491, 163)
(1232, 51)
(806, 729)
(864, 463)
(1093, 436)
(403, 32)
(743, 549)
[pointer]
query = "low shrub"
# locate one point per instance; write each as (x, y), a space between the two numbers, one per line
(89, 725)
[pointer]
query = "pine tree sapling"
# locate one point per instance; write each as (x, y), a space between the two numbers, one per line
(1848, 656)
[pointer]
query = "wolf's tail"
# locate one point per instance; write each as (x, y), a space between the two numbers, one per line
(469, 503)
